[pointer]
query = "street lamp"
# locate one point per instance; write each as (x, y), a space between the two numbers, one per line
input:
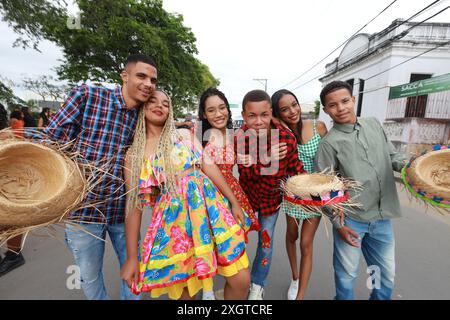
(263, 81)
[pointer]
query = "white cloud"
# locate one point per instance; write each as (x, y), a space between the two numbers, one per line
(245, 39)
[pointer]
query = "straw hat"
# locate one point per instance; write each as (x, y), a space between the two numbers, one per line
(427, 177)
(312, 192)
(38, 185)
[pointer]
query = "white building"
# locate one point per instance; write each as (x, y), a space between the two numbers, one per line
(374, 63)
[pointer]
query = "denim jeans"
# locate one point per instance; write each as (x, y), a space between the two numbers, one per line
(263, 258)
(377, 244)
(88, 252)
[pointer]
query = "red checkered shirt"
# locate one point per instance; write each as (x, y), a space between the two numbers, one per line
(261, 181)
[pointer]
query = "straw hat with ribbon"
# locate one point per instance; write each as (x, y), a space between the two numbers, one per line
(313, 192)
(427, 177)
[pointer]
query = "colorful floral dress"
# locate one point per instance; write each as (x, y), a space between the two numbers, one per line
(225, 158)
(192, 234)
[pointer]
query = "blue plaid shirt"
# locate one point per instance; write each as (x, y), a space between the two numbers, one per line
(97, 119)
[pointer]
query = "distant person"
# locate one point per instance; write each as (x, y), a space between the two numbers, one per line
(17, 123)
(285, 106)
(28, 118)
(44, 118)
(3, 117)
(101, 122)
(358, 149)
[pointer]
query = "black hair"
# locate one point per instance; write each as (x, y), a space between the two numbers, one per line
(16, 114)
(276, 97)
(210, 92)
(3, 117)
(333, 86)
(255, 96)
(139, 57)
(44, 117)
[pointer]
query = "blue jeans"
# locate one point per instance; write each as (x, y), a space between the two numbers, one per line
(377, 244)
(88, 252)
(263, 258)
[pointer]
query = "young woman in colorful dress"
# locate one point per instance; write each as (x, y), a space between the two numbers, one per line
(196, 225)
(215, 131)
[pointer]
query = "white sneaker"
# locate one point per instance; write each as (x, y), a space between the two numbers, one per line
(293, 289)
(256, 292)
(208, 295)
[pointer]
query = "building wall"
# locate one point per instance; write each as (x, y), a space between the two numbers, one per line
(376, 90)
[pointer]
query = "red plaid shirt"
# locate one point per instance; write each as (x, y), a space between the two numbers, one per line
(261, 181)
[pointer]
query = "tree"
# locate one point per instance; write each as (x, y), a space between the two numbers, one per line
(107, 31)
(45, 87)
(7, 95)
(316, 108)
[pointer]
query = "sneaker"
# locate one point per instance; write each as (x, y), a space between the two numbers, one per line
(208, 295)
(293, 289)
(256, 292)
(10, 262)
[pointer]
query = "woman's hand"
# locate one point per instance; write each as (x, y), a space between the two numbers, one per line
(238, 214)
(130, 271)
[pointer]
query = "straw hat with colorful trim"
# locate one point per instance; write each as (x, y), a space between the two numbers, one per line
(427, 177)
(313, 192)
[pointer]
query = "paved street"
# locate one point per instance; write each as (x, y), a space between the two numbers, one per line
(422, 248)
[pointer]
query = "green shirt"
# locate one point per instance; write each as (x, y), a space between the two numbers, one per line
(362, 152)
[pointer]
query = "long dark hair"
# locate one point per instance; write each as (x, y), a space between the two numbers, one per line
(205, 125)
(276, 97)
(3, 117)
(44, 116)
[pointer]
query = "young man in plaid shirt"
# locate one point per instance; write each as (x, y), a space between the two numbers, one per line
(267, 154)
(102, 121)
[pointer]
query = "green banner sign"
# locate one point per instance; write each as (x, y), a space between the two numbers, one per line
(422, 87)
(234, 106)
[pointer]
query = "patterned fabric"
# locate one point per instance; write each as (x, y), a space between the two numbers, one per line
(306, 154)
(225, 158)
(261, 182)
(307, 151)
(192, 234)
(102, 127)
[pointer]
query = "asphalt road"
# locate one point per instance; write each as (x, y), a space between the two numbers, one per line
(422, 256)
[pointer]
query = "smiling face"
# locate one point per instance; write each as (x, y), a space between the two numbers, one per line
(139, 82)
(289, 109)
(257, 115)
(340, 106)
(157, 109)
(216, 112)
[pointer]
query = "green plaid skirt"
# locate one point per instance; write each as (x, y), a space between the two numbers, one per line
(294, 211)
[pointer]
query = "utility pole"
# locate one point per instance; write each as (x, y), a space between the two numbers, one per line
(263, 81)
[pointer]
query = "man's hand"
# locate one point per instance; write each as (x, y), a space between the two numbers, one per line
(349, 236)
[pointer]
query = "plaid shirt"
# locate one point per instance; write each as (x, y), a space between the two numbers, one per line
(261, 182)
(102, 127)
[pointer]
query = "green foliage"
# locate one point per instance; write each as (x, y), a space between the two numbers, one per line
(316, 108)
(107, 32)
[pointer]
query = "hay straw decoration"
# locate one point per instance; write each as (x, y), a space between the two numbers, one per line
(31, 194)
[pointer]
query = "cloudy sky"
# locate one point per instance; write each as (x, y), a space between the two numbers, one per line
(242, 40)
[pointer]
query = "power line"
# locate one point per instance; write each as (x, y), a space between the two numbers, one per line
(428, 7)
(391, 28)
(341, 44)
(403, 34)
